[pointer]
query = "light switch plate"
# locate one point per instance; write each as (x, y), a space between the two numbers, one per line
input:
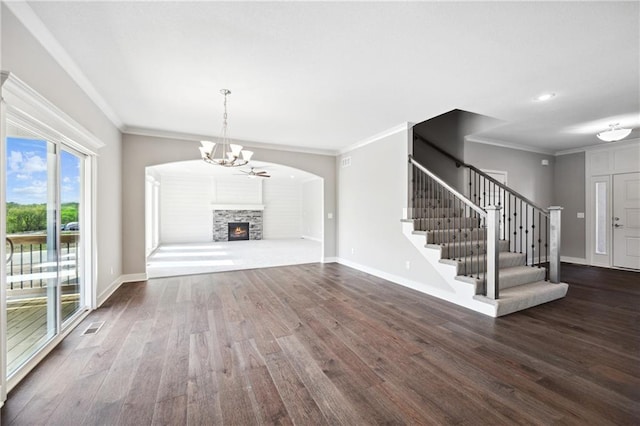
(580, 215)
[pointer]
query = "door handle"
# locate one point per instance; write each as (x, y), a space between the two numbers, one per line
(617, 225)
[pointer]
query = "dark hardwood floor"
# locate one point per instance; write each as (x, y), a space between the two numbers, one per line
(326, 344)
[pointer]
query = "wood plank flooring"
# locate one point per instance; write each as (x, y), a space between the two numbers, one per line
(27, 326)
(325, 344)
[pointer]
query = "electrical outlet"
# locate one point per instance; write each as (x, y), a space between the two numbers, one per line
(580, 215)
(407, 264)
(353, 251)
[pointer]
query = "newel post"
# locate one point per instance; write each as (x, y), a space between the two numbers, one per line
(555, 216)
(493, 251)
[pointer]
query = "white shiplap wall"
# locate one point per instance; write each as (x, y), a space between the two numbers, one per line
(186, 205)
(282, 209)
(237, 190)
(185, 209)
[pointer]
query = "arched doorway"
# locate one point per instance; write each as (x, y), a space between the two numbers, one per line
(190, 206)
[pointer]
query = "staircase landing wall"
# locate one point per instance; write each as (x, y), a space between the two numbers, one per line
(371, 199)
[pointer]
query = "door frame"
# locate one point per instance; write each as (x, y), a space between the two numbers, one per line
(603, 162)
(26, 108)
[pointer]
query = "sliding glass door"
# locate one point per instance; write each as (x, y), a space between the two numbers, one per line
(70, 176)
(44, 238)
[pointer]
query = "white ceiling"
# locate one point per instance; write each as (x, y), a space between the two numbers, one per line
(326, 75)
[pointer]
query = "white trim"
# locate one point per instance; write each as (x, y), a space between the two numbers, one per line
(129, 278)
(132, 278)
(3, 272)
(473, 304)
(237, 206)
(600, 147)
(166, 134)
(102, 297)
(494, 142)
(371, 139)
(40, 32)
(595, 259)
(24, 104)
(332, 259)
(307, 237)
(576, 260)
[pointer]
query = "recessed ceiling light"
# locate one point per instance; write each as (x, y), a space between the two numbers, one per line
(545, 97)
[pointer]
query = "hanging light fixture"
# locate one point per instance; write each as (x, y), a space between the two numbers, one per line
(224, 153)
(614, 133)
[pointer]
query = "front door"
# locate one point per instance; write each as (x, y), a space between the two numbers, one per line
(626, 220)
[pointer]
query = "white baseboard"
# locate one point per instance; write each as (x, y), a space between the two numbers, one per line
(576, 260)
(102, 297)
(450, 296)
(307, 237)
(330, 260)
(129, 278)
(381, 274)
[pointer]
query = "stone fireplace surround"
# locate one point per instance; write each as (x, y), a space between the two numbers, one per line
(222, 215)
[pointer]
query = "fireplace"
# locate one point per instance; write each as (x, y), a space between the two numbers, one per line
(223, 217)
(238, 231)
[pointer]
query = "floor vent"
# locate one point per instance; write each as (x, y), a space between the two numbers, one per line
(93, 328)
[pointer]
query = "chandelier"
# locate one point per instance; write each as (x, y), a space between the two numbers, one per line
(224, 153)
(614, 133)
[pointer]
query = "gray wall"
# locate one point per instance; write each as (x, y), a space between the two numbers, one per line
(29, 61)
(525, 173)
(312, 214)
(371, 198)
(448, 132)
(561, 183)
(138, 152)
(569, 192)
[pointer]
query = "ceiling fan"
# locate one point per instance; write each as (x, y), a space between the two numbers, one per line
(254, 174)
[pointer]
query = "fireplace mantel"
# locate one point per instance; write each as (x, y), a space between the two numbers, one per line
(237, 206)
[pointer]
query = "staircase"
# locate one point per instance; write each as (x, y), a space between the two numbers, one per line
(497, 250)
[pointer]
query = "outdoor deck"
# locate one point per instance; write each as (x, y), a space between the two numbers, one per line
(27, 326)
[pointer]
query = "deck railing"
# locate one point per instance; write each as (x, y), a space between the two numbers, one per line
(27, 263)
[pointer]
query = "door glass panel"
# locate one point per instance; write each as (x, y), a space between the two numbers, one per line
(32, 233)
(70, 250)
(601, 217)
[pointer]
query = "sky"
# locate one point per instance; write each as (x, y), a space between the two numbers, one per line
(27, 172)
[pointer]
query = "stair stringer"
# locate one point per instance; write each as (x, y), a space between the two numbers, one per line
(463, 294)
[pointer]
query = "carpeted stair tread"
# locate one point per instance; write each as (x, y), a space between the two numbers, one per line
(465, 248)
(476, 264)
(444, 223)
(525, 296)
(443, 235)
(509, 277)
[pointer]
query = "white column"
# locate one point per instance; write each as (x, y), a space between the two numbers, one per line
(555, 216)
(493, 251)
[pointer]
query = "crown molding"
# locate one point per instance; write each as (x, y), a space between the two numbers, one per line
(371, 139)
(601, 146)
(166, 134)
(502, 144)
(41, 33)
(35, 114)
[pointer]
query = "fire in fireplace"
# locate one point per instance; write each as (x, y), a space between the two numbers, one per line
(238, 231)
